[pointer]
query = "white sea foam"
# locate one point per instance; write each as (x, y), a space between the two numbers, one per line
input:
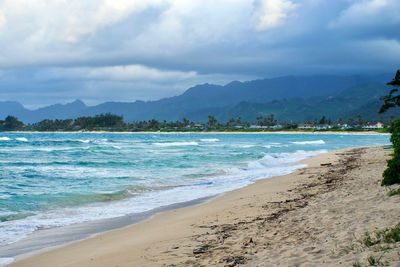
(21, 139)
(177, 144)
(260, 145)
(45, 149)
(288, 158)
(84, 141)
(245, 146)
(5, 138)
(5, 261)
(103, 141)
(197, 174)
(210, 140)
(229, 179)
(275, 145)
(317, 142)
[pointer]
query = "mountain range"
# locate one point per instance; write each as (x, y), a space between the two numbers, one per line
(289, 98)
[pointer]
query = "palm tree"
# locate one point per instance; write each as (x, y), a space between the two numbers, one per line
(212, 121)
(230, 123)
(350, 121)
(272, 119)
(360, 120)
(392, 100)
(185, 122)
(259, 120)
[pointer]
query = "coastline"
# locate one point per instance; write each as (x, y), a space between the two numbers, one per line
(48, 239)
(211, 132)
(192, 235)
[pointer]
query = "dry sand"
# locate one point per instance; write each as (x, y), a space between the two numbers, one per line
(312, 217)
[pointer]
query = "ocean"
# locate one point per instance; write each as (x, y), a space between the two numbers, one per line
(49, 180)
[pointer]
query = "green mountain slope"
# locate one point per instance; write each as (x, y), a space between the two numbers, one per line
(290, 98)
(363, 100)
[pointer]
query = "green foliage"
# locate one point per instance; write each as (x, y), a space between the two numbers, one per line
(266, 121)
(392, 174)
(384, 130)
(390, 235)
(56, 125)
(11, 124)
(392, 100)
(110, 122)
(107, 120)
(368, 240)
(360, 100)
(323, 120)
(386, 236)
(379, 242)
(394, 192)
(212, 122)
(371, 260)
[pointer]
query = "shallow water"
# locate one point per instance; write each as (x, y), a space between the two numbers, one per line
(56, 179)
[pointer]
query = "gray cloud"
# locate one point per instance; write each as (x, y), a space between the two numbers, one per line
(100, 50)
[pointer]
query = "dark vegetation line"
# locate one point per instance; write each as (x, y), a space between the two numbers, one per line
(115, 123)
(392, 174)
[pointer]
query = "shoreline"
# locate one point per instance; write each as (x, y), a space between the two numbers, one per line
(47, 239)
(277, 132)
(43, 240)
(167, 231)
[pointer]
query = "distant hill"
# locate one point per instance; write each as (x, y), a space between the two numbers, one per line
(57, 111)
(363, 100)
(11, 108)
(293, 98)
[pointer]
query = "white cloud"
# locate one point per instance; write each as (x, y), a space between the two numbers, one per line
(174, 44)
(69, 20)
(189, 25)
(138, 72)
(100, 15)
(132, 73)
(65, 31)
(368, 12)
(2, 19)
(372, 51)
(270, 14)
(114, 73)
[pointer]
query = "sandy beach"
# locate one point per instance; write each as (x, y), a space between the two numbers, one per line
(315, 216)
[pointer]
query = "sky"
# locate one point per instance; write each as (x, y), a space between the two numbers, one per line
(56, 51)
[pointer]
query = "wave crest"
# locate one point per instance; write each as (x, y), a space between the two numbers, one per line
(177, 144)
(316, 142)
(210, 140)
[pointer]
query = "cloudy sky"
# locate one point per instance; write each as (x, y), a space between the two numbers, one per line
(55, 51)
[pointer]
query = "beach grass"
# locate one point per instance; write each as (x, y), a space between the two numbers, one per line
(394, 192)
(377, 244)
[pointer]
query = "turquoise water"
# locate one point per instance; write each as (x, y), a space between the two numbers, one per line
(56, 179)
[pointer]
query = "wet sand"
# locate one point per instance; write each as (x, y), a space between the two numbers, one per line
(308, 218)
